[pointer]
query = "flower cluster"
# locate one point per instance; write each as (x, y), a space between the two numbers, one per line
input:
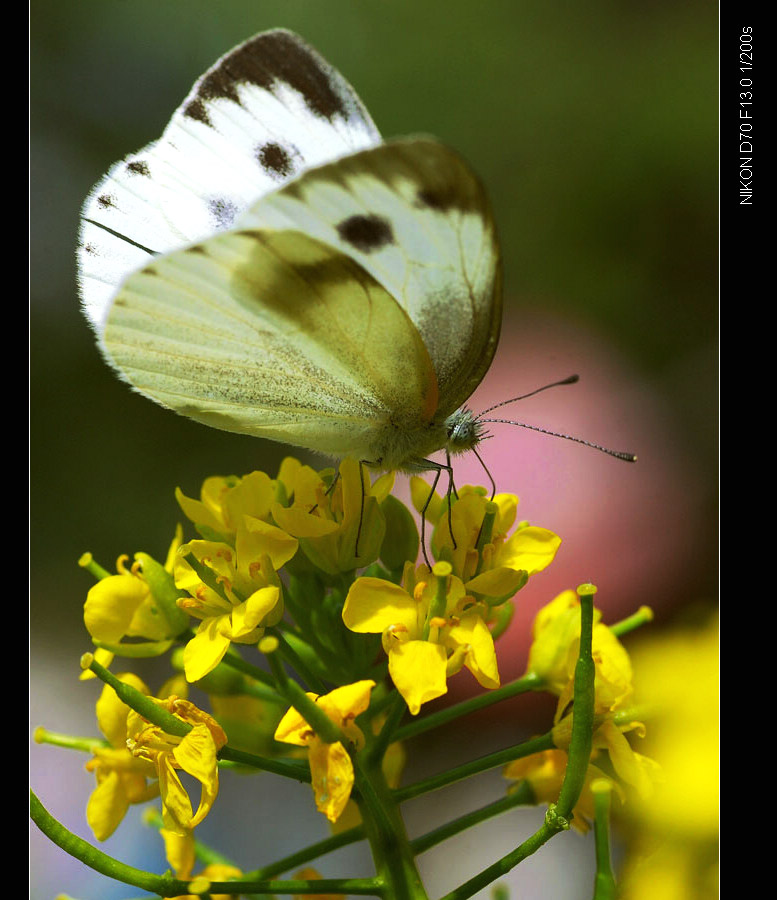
(324, 574)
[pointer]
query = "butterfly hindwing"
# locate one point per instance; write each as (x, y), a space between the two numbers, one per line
(266, 111)
(414, 215)
(273, 334)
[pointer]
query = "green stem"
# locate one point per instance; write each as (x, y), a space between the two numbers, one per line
(475, 767)
(386, 736)
(558, 815)
(312, 680)
(163, 885)
(391, 851)
(522, 796)
(138, 701)
(502, 866)
(307, 854)
(529, 682)
(641, 617)
(42, 735)
(604, 882)
(295, 769)
(582, 712)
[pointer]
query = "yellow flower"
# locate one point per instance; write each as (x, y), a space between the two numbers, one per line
(327, 521)
(248, 596)
(554, 650)
(122, 779)
(223, 503)
(544, 773)
(330, 764)
(124, 604)
(427, 634)
(492, 565)
(195, 753)
(672, 835)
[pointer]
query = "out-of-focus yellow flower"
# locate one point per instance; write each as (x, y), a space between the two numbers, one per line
(180, 852)
(491, 565)
(554, 650)
(545, 772)
(122, 779)
(195, 753)
(330, 764)
(329, 521)
(248, 598)
(427, 636)
(672, 835)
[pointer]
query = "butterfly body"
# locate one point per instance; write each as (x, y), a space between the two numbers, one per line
(271, 267)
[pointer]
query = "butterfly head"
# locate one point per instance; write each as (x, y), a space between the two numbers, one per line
(464, 431)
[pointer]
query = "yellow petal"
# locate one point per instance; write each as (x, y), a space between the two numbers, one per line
(256, 538)
(373, 604)
(205, 650)
(418, 670)
(107, 806)
(501, 581)
(481, 655)
(249, 615)
(332, 777)
(110, 606)
(531, 549)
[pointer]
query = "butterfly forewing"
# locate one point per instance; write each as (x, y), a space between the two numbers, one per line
(266, 111)
(273, 334)
(413, 214)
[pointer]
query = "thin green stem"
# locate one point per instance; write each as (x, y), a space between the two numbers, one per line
(312, 680)
(529, 682)
(475, 767)
(387, 733)
(604, 882)
(582, 711)
(522, 796)
(69, 741)
(641, 617)
(298, 770)
(307, 854)
(163, 885)
(138, 701)
(502, 866)
(558, 815)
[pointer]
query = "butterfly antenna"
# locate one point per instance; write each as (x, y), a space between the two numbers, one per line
(628, 457)
(573, 379)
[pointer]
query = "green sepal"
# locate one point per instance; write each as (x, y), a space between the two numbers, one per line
(164, 592)
(401, 541)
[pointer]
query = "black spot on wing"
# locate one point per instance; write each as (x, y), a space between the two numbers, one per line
(366, 233)
(443, 198)
(275, 160)
(265, 61)
(106, 201)
(138, 167)
(222, 211)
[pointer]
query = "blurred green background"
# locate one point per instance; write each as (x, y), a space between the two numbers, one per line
(592, 122)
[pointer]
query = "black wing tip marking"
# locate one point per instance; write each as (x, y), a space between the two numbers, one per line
(264, 60)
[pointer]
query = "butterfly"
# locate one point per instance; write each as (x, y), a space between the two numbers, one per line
(271, 266)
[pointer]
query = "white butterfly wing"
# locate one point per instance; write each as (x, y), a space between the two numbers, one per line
(414, 216)
(266, 111)
(277, 335)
